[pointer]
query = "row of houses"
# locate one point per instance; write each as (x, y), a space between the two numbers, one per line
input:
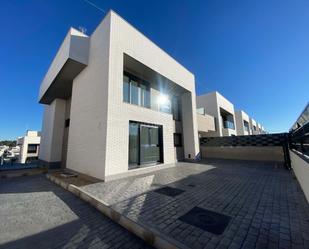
(117, 104)
(217, 117)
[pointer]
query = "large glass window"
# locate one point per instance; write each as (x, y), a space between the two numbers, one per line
(133, 143)
(136, 91)
(176, 109)
(164, 103)
(145, 144)
(126, 89)
(145, 96)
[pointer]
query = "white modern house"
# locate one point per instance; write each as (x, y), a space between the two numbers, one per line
(253, 126)
(242, 123)
(116, 103)
(29, 146)
(205, 123)
(217, 106)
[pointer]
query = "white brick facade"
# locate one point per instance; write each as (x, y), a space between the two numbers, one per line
(99, 118)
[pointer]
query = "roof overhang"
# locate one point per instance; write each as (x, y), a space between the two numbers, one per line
(70, 60)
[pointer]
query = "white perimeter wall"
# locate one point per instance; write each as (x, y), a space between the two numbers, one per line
(301, 170)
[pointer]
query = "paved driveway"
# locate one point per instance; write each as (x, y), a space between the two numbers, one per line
(35, 213)
(265, 204)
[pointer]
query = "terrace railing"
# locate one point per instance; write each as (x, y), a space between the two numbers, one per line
(299, 134)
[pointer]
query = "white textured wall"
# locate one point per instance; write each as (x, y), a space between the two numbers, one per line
(87, 133)
(240, 117)
(205, 123)
(52, 131)
(301, 170)
(30, 138)
(210, 103)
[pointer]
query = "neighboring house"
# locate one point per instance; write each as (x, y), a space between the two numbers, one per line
(242, 123)
(253, 127)
(115, 103)
(222, 110)
(259, 127)
(29, 146)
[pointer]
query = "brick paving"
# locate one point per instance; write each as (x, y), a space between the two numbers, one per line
(266, 204)
(35, 213)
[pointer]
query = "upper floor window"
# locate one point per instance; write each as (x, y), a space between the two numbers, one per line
(136, 91)
(201, 110)
(32, 148)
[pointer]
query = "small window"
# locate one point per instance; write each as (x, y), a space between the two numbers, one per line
(126, 89)
(32, 148)
(67, 123)
(177, 139)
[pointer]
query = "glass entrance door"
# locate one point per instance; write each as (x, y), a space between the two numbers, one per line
(145, 144)
(149, 144)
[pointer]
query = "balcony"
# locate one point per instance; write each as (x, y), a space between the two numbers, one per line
(205, 123)
(228, 125)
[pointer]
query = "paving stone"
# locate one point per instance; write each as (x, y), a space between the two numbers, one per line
(36, 213)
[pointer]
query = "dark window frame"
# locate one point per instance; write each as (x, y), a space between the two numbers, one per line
(32, 151)
(67, 123)
(179, 139)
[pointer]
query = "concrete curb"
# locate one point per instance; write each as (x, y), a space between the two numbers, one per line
(149, 235)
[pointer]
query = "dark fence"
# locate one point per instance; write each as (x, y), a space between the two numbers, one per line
(278, 139)
(263, 140)
(299, 134)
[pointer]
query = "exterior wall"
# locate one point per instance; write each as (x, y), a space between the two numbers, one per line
(256, 153)
(32, 137)
(301, 170)
(71, 47)
(126, 39)
(210, 103)
(240, 117)
(87, 135)
(52, 132)
(205, 123)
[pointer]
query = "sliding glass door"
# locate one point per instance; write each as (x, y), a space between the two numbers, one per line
(145, 144)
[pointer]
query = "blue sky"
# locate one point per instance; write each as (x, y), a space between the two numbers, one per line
(256, 53)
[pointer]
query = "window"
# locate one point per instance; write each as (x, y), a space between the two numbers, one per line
(176, 109)
(201, 110)
(246, 126)
(135, 91)
(145, 144)
(145, 96)
(32, 148)
(165, 106)
(67, 123)
(126, 89)
(177, 139)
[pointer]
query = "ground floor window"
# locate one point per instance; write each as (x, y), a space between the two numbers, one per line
(145, 144)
